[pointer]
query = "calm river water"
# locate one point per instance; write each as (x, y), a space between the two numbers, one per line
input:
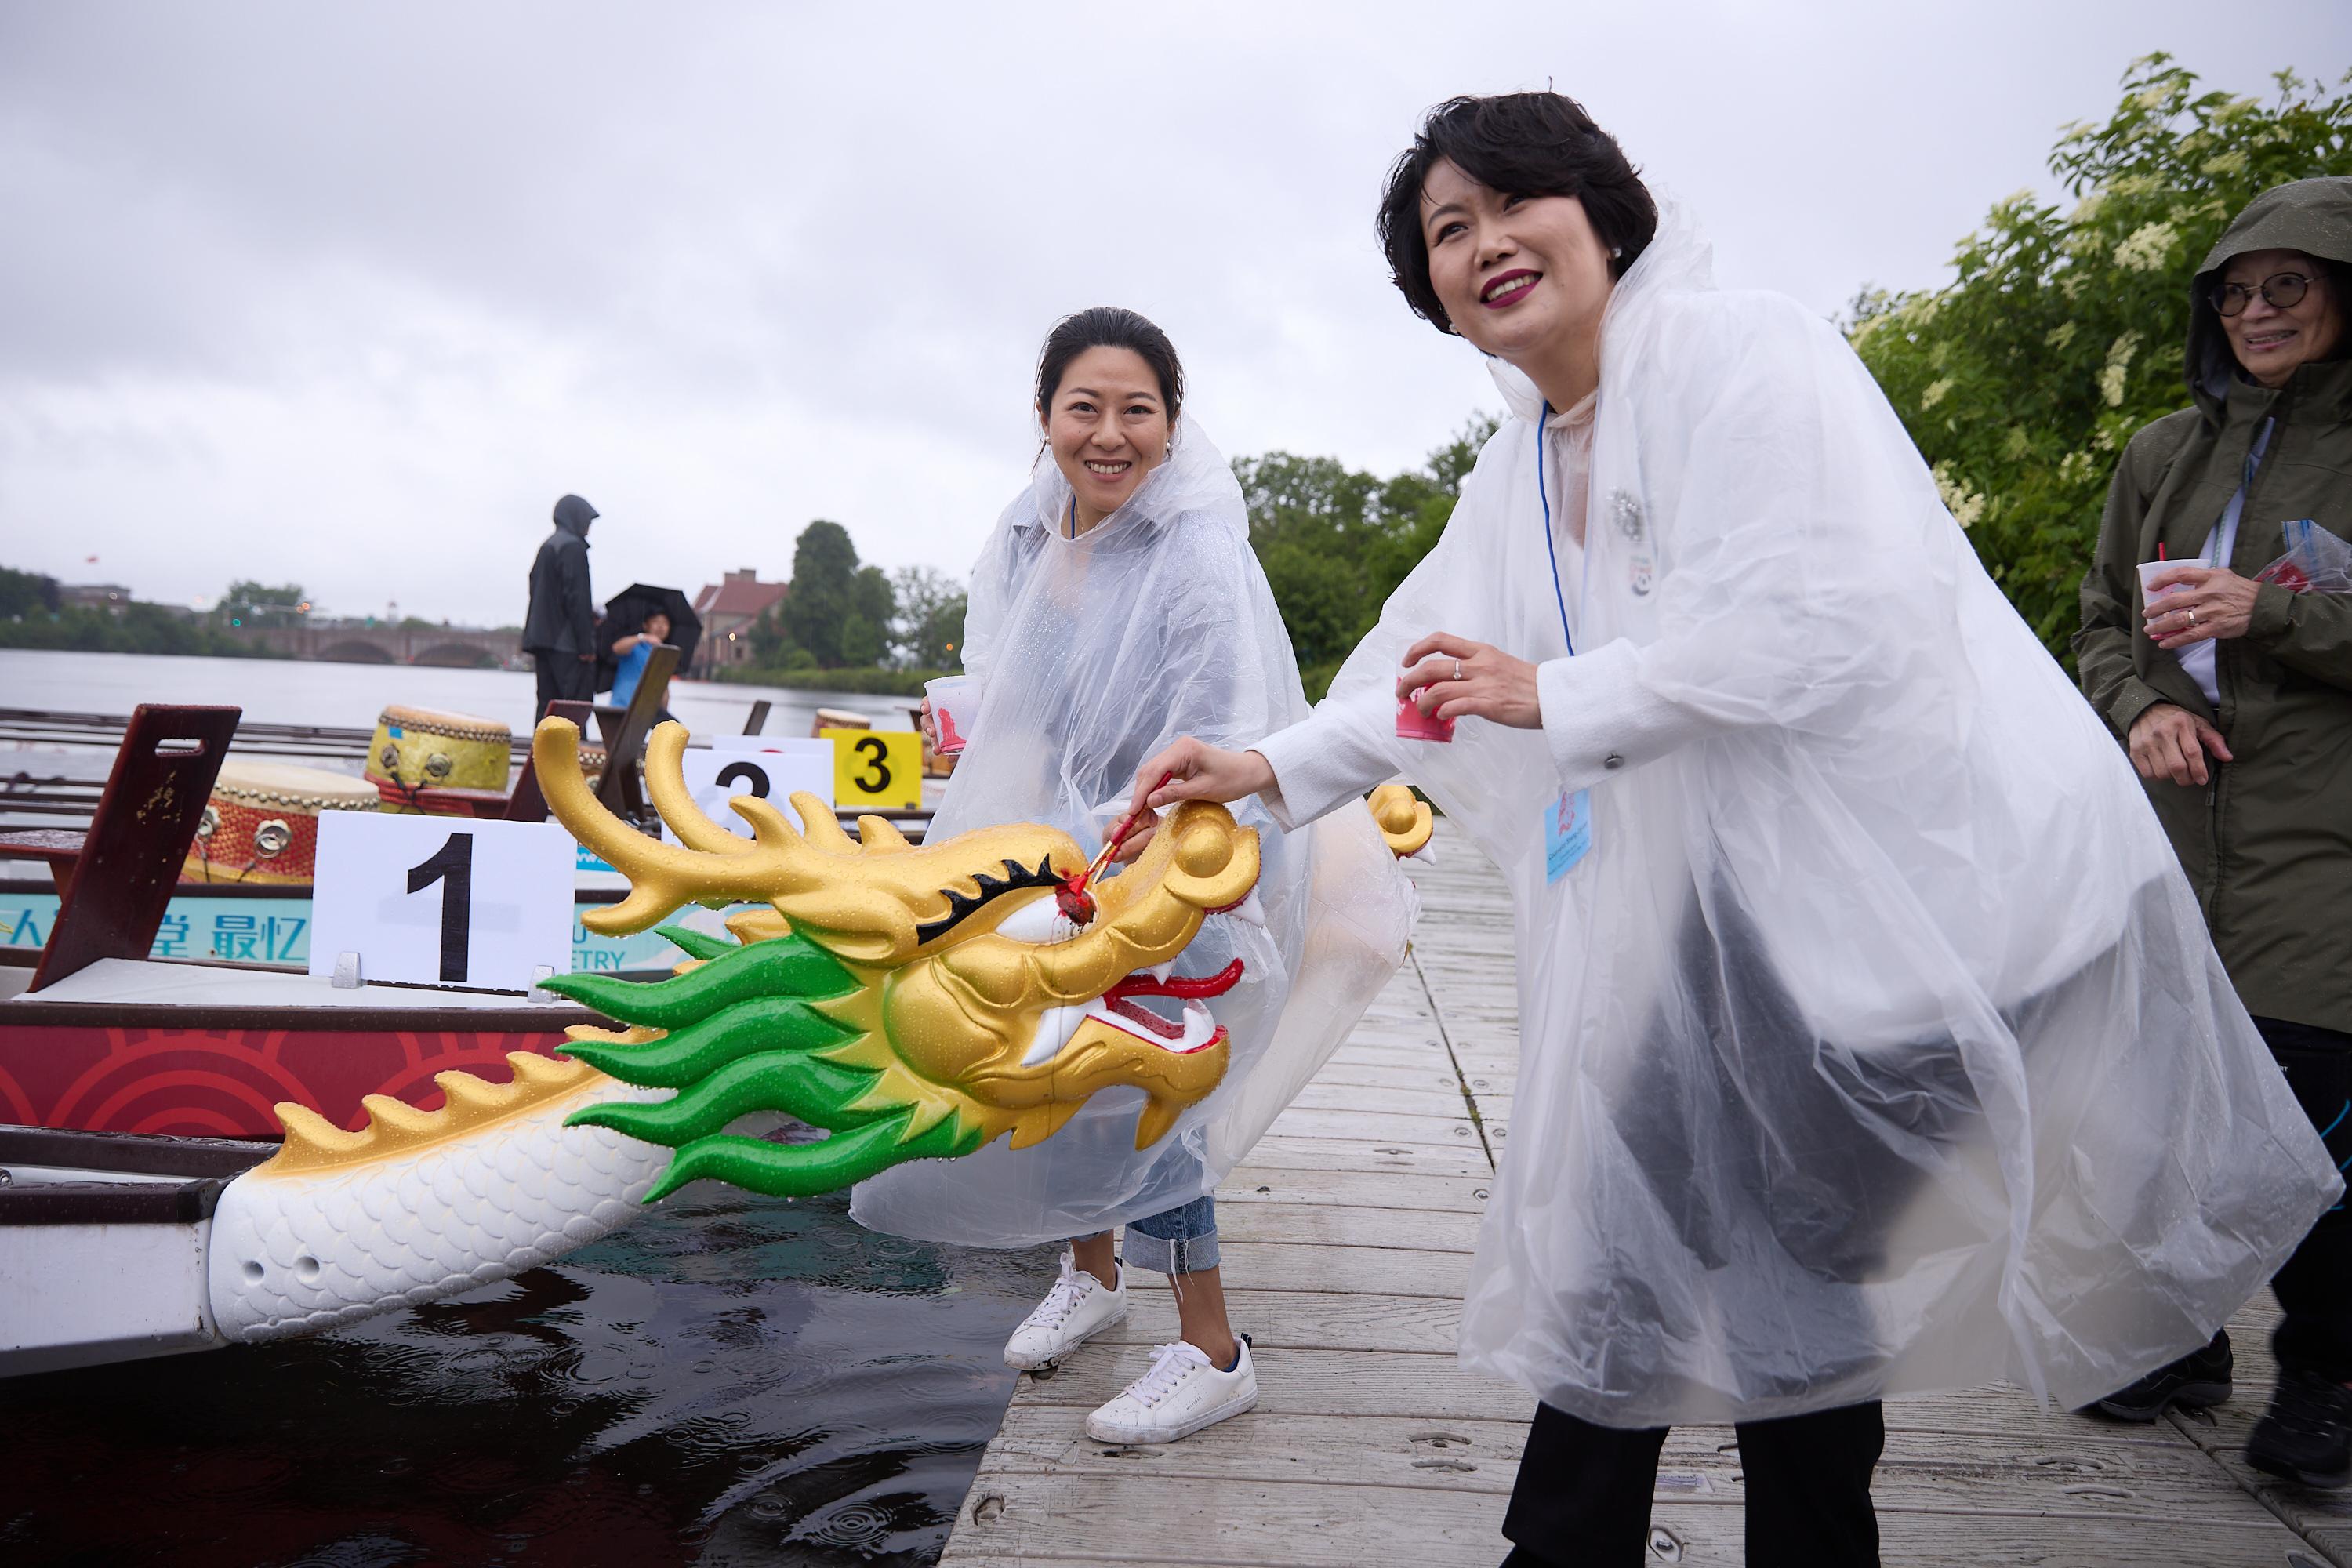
(289, 691)
(731, 1380)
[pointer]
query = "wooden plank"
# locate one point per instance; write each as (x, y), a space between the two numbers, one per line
(1923, 1475)
(1309, 1381)
(1432, 1074)
(1091, 1518)
(1475, 1456)
(1444, 1100)
(1385, 1189)
(1278, 1320)
(1135, 1516)
(1279, 1152)
(1420, 1230)
(1357, 1125)
(1364, 1271)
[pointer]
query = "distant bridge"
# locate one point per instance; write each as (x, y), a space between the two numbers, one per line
(358, 643)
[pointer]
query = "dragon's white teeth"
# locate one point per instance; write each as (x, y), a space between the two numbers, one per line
(1161, 971)
(1250, 910)
(1054, 1031)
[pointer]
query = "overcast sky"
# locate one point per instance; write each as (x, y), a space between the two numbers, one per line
(349, 295)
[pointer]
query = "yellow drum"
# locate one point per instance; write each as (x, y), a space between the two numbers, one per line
(262, 822)
(418, 748)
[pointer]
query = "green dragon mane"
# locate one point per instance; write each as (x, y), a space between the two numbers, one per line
(746, 1031)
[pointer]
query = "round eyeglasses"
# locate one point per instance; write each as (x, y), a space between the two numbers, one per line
(2282, 290)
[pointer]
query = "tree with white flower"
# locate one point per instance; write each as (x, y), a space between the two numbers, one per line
(2061, 334)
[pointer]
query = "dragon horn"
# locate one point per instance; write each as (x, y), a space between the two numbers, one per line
(819, 824)
(666, 781)
(662, 877)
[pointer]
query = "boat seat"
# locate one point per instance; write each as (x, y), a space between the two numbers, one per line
(60, 846)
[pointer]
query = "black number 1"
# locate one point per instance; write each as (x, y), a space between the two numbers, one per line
(873, 750)
(452, 866)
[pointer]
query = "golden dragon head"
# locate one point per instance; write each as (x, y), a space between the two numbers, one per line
(915, 1001)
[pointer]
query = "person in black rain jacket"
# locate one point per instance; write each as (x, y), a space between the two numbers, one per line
(558, 631)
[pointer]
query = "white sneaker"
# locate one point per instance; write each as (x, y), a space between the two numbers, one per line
(1182, 1393)
(1077, 1308)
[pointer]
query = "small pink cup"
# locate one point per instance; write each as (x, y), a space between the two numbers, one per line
(1412, 724)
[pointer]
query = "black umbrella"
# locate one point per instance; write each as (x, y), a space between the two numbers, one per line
(626, 613)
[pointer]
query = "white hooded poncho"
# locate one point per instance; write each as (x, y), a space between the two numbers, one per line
(1876, 1044)
(1094, 653)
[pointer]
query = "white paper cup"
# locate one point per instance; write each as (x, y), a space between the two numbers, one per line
(2148, 571)
(955, 704)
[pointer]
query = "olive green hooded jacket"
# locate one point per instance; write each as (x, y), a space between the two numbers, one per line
(2268, 844)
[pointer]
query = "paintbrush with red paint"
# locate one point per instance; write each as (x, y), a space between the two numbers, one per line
(1077, 904)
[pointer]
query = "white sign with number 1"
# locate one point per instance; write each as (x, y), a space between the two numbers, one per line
(442, 900)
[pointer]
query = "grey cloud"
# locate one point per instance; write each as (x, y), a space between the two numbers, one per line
(351, 293)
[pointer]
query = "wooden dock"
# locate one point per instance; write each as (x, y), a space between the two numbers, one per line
(1348, 1238)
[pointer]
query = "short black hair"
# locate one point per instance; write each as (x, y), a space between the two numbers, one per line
(1109, 327)
(1525, 143)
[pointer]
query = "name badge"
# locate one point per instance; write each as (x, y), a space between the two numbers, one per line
(1567, 833)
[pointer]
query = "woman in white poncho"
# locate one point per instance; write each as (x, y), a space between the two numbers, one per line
(1871, 1038)
(1119, 606)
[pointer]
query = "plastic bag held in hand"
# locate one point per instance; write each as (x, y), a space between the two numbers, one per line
(2316, 561)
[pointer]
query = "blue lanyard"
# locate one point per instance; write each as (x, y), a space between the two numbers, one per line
(1551, 549)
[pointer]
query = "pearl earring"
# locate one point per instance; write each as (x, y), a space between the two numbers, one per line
(1615, 251)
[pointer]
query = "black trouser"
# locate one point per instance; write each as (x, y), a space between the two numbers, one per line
(562, 677)
(2315, 1287)
(1583, 1495)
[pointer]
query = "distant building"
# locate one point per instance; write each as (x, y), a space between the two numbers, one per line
(112, 597)
(728, 608)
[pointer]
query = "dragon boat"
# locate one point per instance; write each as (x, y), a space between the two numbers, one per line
(906, 1000)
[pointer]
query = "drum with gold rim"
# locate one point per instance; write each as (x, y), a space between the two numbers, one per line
(421, 748)
(261, 824)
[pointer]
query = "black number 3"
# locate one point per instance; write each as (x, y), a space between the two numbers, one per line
(745, 772)
(452, 866)
(872, 748)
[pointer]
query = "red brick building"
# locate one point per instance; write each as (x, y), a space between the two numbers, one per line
(728, 608)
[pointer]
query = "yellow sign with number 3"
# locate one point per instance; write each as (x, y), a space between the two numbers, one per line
(877, 768)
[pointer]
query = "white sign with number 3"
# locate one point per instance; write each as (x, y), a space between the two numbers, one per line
(442, 900)
(772, 772)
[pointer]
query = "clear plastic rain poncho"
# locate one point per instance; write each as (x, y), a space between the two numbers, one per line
(1093, 653)
(1876, 1044)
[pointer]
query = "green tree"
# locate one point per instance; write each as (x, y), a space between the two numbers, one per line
(837, 613)
(258, 605)
(27, 593)
(1334, 542)
(2061, 334)
(927, 632)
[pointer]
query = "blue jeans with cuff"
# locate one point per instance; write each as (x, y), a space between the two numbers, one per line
(1179, 1241)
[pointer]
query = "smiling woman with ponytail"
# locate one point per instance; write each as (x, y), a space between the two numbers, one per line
(1117, 605)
